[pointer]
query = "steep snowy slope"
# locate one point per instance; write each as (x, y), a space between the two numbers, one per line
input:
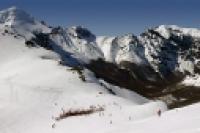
(150, 64)
(171, 49)
(77, 41)
(55, 79)
(123, 48)
(36, 88)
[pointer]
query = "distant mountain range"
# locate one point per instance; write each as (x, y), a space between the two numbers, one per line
(156, 64)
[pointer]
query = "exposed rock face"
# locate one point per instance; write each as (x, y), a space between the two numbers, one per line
(152, 64)
(166, 60)
(81, 33)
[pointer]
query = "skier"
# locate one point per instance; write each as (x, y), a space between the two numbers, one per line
(159, 112)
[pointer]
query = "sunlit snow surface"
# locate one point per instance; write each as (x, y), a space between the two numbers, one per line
(35, 90)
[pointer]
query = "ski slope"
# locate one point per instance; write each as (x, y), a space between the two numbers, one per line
(180, 120)
(35, 90)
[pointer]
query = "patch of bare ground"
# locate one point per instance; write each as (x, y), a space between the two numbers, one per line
(78, 112)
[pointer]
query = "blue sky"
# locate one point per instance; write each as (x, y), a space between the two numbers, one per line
(112, 17)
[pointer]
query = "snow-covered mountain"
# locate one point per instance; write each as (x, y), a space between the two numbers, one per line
(18, 21)
(53, 78)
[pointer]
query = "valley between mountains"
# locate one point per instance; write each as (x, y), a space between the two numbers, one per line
(58, 80)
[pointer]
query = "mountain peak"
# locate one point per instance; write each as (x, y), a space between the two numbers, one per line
(167, 30)
(81, 32)
(13, 8)
(14, 15)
